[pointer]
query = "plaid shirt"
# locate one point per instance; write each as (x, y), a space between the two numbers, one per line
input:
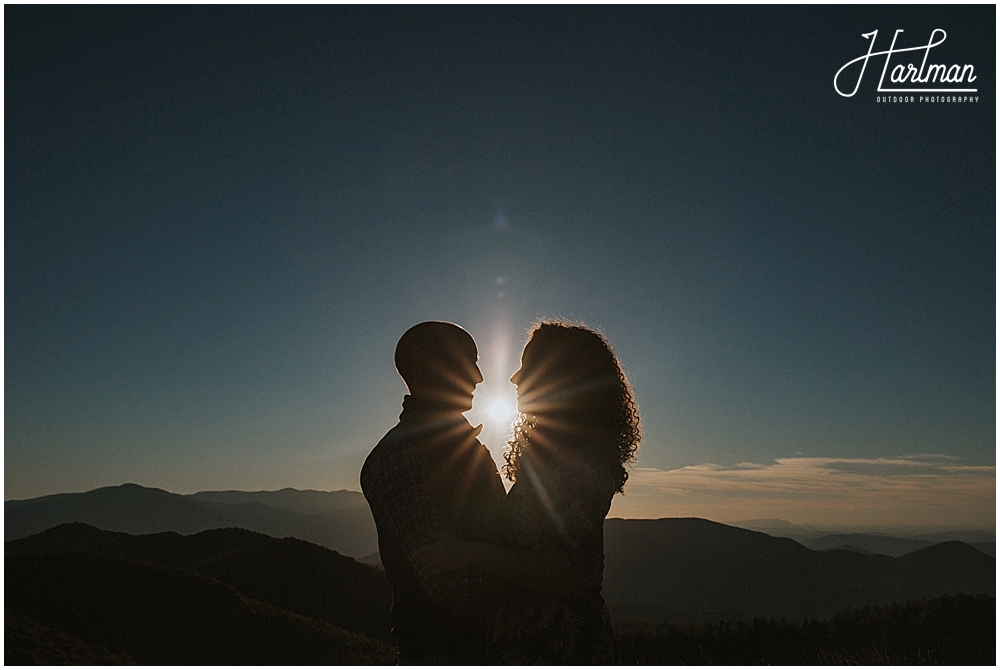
(419, 480)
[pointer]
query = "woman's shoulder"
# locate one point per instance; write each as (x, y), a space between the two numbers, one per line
(581, 478)
(567, 501)
(564, 478)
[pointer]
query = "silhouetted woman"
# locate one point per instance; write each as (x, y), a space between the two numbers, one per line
(578, 429)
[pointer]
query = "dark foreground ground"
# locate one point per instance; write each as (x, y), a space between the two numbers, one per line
(950, 630)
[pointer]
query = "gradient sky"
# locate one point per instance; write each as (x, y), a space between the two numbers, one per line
(218, 222)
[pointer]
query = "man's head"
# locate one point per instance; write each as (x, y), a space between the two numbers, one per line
(437, 361)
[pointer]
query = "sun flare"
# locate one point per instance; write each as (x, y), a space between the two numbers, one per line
(496, 410)
(501, 412)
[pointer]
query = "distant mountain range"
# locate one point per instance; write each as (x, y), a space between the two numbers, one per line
(882, 544)
(875, 543)
(664, 569)
(338, 520)
(695, 569)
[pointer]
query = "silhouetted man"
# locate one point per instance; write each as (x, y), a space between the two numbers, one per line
(430, 475)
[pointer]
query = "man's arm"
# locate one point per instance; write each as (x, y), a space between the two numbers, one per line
(536, 570)
(408, 507)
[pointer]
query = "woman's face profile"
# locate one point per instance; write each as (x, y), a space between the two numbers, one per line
(529, 379)
(516, 379)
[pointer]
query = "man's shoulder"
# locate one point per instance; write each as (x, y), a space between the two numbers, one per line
(394, 442)
(411, 451)
(400, 456)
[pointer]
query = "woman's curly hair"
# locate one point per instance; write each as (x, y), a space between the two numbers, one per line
(573, 394)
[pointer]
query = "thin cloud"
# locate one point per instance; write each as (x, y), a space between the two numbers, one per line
(928, 490)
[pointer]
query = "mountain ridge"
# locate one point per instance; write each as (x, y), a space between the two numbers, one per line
(673, 565)
(345, 526)
(289, 573)
(695, 565)
(688, 569)
(159, 615)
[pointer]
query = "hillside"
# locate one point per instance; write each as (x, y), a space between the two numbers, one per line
(157, 615)
(28, 643)
(950, 567)
(693, 569)
(289, 574)
(872, 542)
(338, 520)
(875, 544)
(304, 502)
(894, 544)
(888, 545)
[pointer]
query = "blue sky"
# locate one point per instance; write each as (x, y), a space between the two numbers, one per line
(218, 221)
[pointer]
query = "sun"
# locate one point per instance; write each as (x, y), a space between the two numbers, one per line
(501, 412)
(496, 409)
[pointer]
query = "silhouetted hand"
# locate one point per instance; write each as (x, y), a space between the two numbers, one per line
(446, 554)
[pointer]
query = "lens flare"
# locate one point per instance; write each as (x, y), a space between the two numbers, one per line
(501, 412)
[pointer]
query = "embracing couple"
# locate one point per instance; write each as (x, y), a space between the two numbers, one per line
(484, 577)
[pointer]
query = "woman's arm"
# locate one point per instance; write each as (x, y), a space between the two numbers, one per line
(535, 570)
